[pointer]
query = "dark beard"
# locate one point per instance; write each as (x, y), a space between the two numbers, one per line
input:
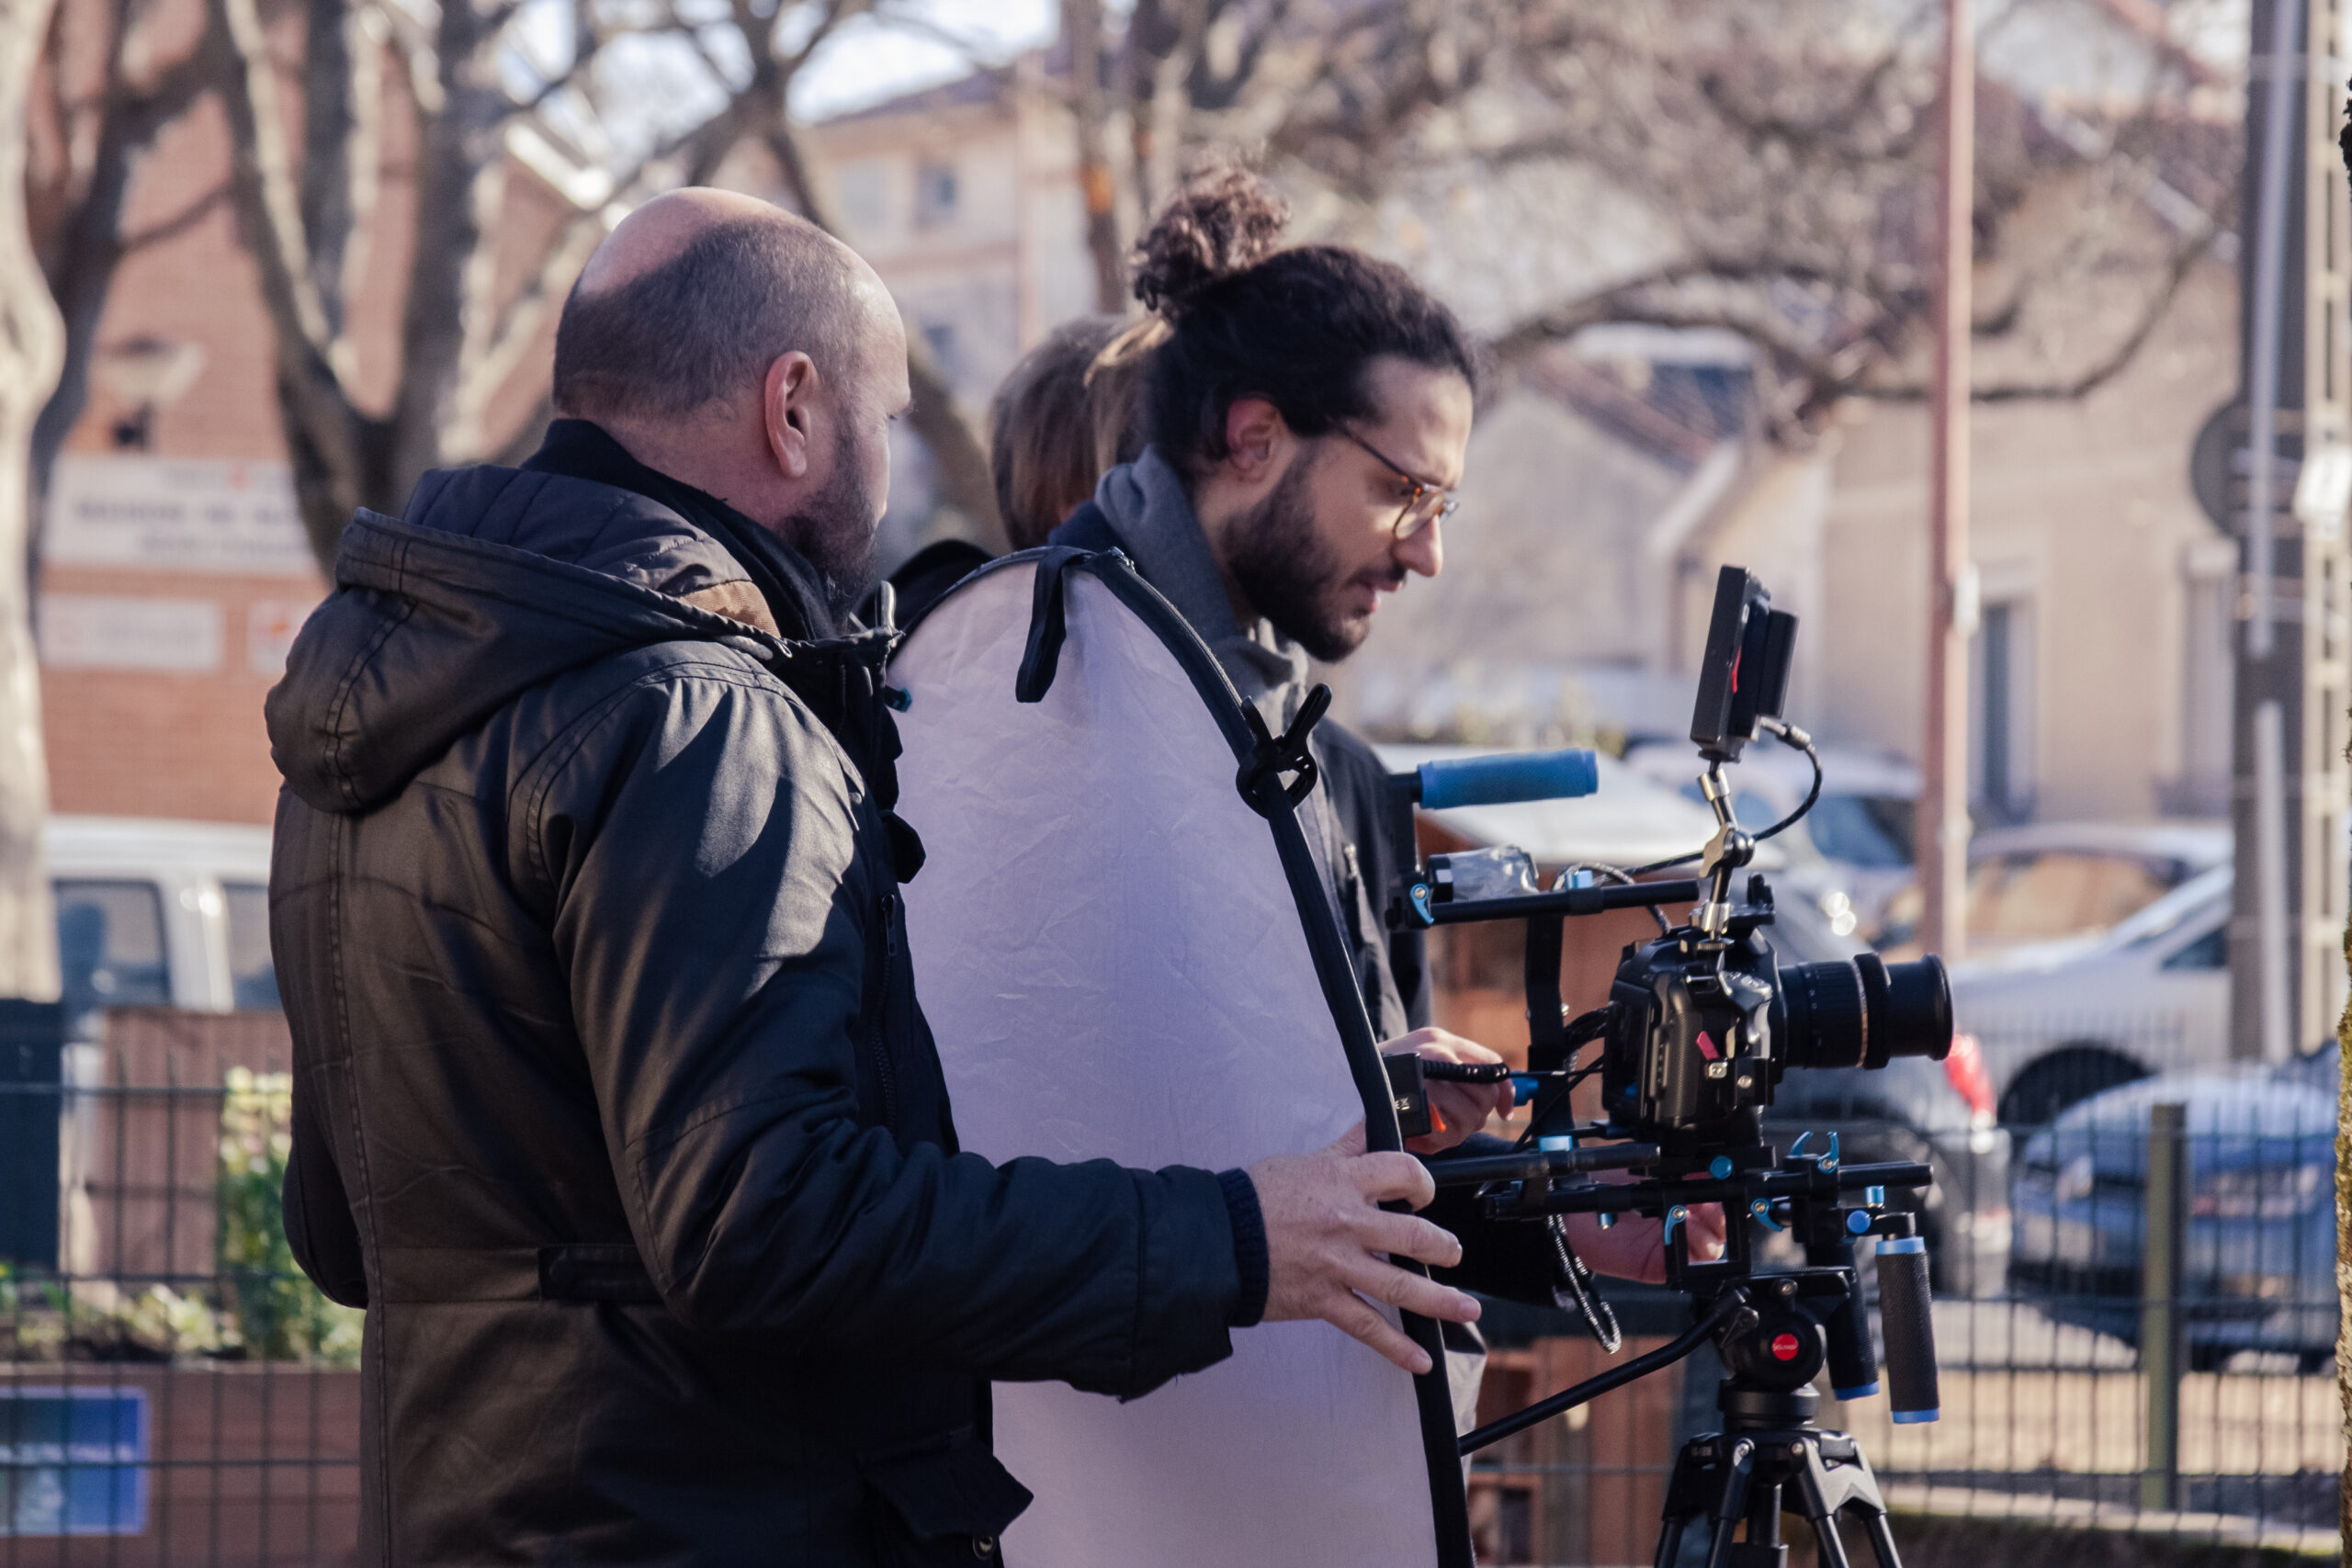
(834, 531)
(1287, 574)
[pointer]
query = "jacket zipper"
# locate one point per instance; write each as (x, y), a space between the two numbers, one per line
(883, 1068)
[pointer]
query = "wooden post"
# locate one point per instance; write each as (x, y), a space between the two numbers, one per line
(1942, 830)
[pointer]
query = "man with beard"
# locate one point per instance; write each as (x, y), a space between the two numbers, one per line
(614, 1105)
(1308, 417)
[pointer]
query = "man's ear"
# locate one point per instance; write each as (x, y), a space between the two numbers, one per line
(1256, 435)
(785, 410)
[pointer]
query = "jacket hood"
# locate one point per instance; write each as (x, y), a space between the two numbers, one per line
(496, 580)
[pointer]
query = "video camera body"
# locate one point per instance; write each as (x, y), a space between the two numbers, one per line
(1700, 1024)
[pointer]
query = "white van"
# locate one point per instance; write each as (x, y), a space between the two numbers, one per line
(154, 913)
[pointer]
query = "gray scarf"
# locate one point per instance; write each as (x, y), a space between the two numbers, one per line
(1147, 508)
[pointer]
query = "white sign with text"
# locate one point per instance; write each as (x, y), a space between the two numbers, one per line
(176, 513)
(101, 631)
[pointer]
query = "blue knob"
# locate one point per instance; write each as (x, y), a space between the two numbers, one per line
(1858, 1222)
(1720, 1167)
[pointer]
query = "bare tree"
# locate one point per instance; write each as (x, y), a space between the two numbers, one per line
(1098, 186)
(307, 199)
(31, 348)
(1771, 156)
(760, 112)
(94, 128)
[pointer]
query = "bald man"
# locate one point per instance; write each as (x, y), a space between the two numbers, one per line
(614, 1105)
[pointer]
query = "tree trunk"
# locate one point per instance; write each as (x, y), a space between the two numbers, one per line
(1083, 31)
(31, 349)
(462, 185)
(88, 245)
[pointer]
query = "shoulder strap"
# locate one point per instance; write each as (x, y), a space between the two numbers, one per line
(1264, 758)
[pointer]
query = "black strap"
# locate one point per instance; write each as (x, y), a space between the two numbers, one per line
(571, 1271)
(1047, 625)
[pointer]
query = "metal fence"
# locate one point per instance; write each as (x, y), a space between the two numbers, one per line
(2136, 1369)
(171, 1391)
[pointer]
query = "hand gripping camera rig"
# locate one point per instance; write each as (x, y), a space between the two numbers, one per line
(1699, 1027)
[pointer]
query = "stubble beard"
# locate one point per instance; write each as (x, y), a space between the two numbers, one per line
(1289, 575)
(835, 532)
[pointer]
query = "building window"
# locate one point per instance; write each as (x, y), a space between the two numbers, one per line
(935, 194)
(864, 187)
(2001, 727)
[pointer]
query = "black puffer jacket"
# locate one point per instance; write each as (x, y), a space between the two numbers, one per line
(614, 1104)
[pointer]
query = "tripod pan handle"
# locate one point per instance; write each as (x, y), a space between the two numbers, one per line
(1903, 1311)
(1853, 1365)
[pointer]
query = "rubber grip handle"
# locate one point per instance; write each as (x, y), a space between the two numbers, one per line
(1512, 776)
(1904, 1313)
(1853, 1365)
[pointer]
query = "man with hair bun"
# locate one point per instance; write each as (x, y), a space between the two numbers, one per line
(1307, 411)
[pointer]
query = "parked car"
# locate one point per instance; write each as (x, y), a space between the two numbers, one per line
(2258, 1260)
(160, 913)
(2048, 881)
(2061, 1021)
(1851, 853)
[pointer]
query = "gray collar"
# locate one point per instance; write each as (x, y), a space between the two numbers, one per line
(1146, 507)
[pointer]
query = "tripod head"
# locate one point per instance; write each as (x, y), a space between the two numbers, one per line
(1775, 1331)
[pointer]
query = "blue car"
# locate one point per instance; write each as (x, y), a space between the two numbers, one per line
(2259, 1261)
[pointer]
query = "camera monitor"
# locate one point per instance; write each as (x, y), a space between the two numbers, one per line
(1744, 675)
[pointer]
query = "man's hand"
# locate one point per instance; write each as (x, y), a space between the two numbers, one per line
(1634, 1247)
(1456, 1110)
(1325, 1233)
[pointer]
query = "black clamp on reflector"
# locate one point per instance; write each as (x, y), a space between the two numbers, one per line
(1259, 779)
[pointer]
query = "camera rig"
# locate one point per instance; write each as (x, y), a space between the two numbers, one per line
(1700, 1026)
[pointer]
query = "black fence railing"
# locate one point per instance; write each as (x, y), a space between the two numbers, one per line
(2139, 1367)
(172, 1390)
(2135, 1328)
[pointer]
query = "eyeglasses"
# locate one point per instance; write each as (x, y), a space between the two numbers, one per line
(1424, 503)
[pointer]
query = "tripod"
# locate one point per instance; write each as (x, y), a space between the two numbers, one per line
(1775, 1334)
(1770, 1446)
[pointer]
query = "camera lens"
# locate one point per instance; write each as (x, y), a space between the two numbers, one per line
(1865, 1011)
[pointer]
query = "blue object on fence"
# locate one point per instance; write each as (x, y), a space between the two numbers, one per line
(73, 1460)
(32, 1084)
(1510, 777)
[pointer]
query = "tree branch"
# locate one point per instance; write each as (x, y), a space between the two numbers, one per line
(525, 316)
(323, 428)
(179, 223)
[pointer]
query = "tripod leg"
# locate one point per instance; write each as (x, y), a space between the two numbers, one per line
(1739, 1464)
(1686, 1497)
(1830, 1551)
(1670, 1541)
(1882, 1542)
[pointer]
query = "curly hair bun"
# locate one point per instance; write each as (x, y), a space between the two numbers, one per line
(1225, 219)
